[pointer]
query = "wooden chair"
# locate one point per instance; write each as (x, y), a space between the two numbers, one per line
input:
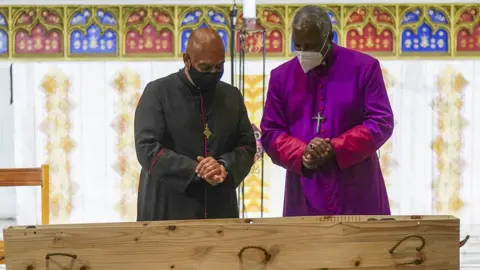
(27, 177)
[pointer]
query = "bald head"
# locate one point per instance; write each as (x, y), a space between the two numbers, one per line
(205, 50)
(204, 40)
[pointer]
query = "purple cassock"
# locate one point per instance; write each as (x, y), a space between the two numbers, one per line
(345, 100)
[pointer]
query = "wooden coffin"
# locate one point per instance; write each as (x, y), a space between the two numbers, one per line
(331, 242)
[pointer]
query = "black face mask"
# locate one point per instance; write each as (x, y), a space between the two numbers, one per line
(205, 81)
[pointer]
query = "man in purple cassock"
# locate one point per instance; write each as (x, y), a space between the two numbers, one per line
(327, 113)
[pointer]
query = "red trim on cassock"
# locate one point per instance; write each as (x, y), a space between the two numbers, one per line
(205, 148)
(289, 152)
(353, 146)
(155, 159)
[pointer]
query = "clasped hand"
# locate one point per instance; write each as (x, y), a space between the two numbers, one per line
(317, 152)
(210, 170)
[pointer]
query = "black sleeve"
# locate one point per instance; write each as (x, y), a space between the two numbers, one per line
(239, 162)
(164, 164)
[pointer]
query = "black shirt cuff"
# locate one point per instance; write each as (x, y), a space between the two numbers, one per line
(196, 179)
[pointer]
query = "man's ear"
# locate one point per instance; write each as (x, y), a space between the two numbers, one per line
(185, 59)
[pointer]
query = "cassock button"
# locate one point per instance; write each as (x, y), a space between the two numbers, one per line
(321, 98)
(329, 198)
(322, 130)
(321, 108)
(326, 186)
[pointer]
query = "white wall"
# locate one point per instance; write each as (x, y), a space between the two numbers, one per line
(6, 118)
(7, 153)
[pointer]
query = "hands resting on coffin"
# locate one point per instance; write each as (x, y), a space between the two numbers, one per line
(210, 170)
(317, 153)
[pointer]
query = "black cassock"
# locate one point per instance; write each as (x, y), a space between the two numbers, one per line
(170, 122)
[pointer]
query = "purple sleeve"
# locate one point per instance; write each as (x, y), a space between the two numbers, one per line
(283, 149)
(363, 140)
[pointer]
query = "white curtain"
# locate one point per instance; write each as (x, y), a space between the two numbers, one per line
(78, 118)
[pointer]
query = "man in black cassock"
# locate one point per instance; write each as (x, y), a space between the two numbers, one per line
(193, 138)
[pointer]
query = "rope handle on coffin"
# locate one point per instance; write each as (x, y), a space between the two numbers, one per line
(464, 241)
(267, 254)
(419, 259)
(267, 257)
(73, 256)
(50, 255)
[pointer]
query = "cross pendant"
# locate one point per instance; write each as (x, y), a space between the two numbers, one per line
(319, 118)
(207, 132)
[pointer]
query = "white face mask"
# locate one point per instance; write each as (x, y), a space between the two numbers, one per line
(310, 60)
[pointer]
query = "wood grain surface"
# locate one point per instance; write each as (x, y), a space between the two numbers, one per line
(20, 177)
(341, 242)
(2, 253)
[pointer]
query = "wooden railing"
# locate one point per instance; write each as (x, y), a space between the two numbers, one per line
(19, 177)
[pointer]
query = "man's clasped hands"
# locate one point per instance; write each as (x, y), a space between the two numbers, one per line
(317, 152)
(210, 170)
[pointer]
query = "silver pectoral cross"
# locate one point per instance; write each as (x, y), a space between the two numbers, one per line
(319, 118)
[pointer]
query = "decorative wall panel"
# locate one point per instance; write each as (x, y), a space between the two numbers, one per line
(370, 29)
(425, 29)
(38, 31)
(3, 32)
(161, 31)
(191, 18)
(467, 30)
(273, 19)
(93, 31)
(148, 31)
